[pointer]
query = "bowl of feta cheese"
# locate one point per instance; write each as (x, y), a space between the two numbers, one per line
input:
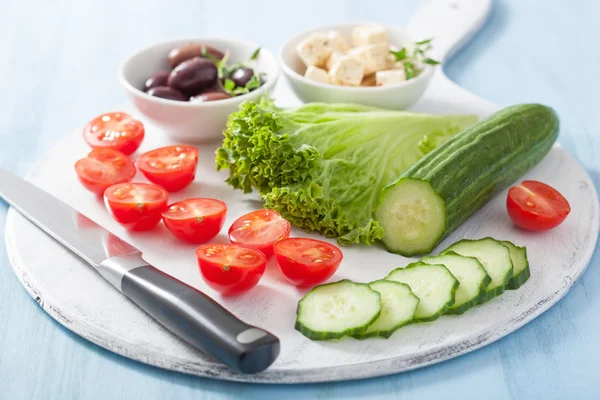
(366, 63)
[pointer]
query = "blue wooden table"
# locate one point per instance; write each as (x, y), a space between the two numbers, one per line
(58, 64)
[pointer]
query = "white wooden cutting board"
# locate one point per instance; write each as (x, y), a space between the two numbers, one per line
(78, 298)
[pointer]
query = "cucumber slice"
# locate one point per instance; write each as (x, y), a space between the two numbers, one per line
(434, 285)
(521, 273)
(337, 309)
(412, 215)
(398, 306)
(471, 276)
(495, 258)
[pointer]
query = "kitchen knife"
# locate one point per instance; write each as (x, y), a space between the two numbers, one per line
(188, 313)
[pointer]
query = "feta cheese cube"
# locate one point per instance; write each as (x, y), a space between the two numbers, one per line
(376, 57)
(369, 34)
(389, 77)
(314, 50)
(337, 43)
(333, 58)
(316, 74)
(347, 71)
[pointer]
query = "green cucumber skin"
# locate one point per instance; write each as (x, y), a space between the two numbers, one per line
(380, 334)
(478, 300)
(444, 308)
(442, 311)
(486, 295)
(473, 166)
(518, 280)
(386, 334)
(318, 335)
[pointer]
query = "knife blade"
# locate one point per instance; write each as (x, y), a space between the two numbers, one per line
(185, 311)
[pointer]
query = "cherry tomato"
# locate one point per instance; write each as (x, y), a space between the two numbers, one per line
(172, 167)
(259, 229)
(138, 206)
(115, 130)
(307, 262)
(230, 268)
(103, 168)
(535, 206)
(195, 220)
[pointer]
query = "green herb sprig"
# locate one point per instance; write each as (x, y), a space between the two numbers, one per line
(254, 55)
(225, 70)
(421, 48)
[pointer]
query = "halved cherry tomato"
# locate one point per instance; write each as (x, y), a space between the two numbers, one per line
(230, 268)
(307, 262)
(138, 206)
(535, 206)
(115, 130)
(103, 168)
(195, 220)
(259, 229)
(172, 167)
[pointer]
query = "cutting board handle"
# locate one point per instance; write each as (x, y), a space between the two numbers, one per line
(450, 22)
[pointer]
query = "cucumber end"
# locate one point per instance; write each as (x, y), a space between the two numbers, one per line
(412, 215)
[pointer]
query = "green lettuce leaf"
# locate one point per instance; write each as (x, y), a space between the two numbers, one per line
(322, 166)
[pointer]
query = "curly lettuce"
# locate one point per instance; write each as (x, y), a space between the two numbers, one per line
(323, 166)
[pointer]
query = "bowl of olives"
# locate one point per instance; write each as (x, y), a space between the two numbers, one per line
(189, 87)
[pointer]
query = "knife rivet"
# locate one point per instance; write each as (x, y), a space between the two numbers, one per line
(250, 335)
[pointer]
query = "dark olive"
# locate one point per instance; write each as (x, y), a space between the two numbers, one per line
(209, 96)
(215, 88)
(191, 76)
(158, 79)
(189, 51)
(166, 92)
(242, 76)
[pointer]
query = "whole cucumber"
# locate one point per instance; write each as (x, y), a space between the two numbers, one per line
(443, 189)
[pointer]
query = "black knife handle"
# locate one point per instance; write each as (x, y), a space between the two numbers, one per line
(199, 320)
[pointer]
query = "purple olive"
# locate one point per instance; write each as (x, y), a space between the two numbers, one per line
(215, 88)
(191, 76)
(242, 76)
(166, 92)
(209, 96)
(158, 79)
(189, 51)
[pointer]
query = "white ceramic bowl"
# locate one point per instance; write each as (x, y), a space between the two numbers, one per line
(189, 121)
(397, 96)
